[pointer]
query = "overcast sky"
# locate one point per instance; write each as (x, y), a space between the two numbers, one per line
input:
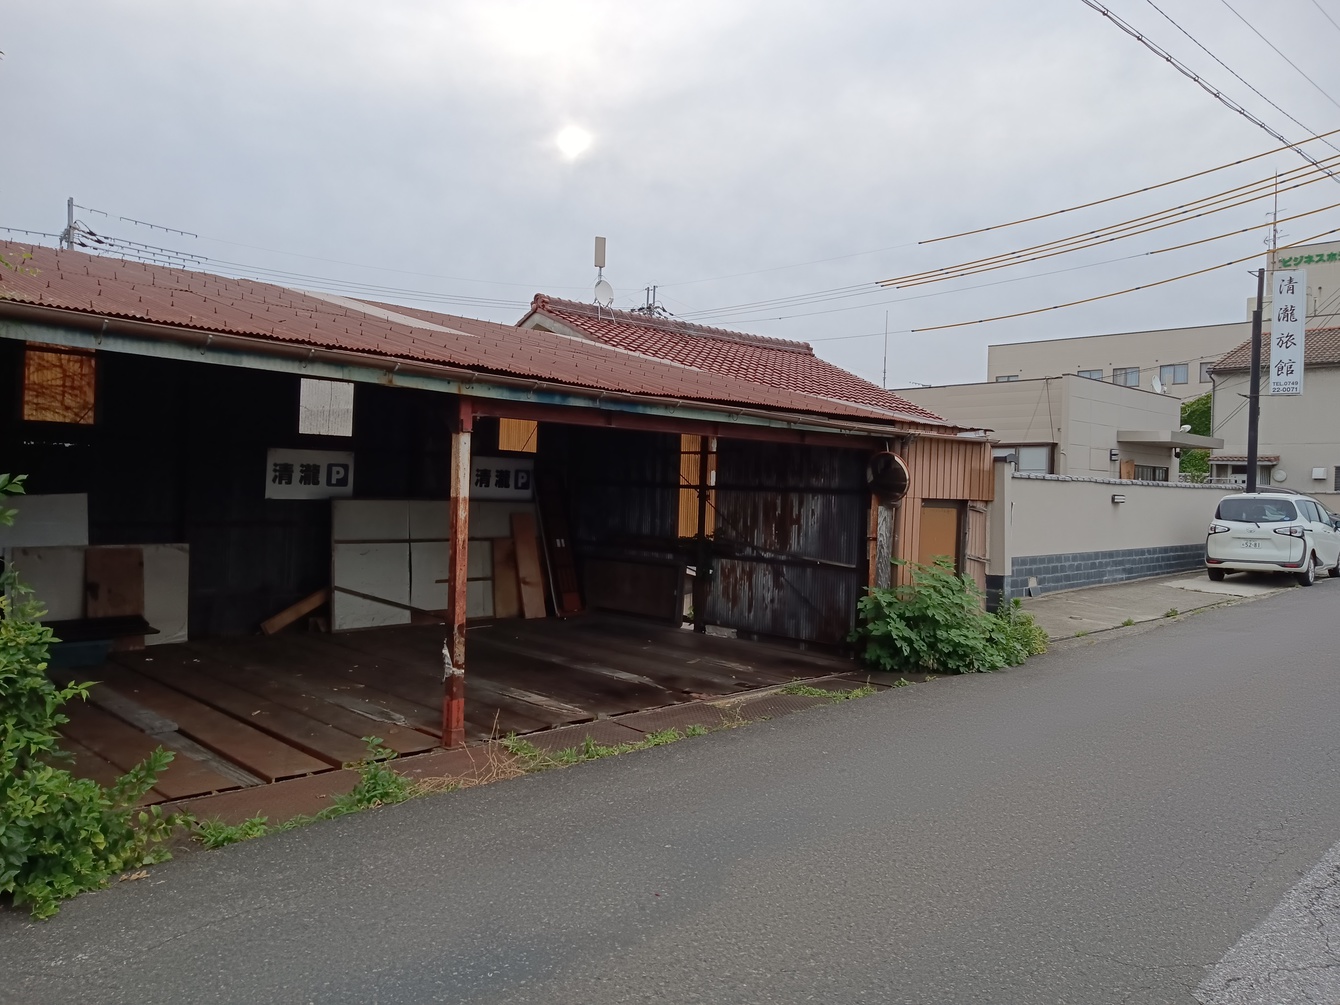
(740, 151)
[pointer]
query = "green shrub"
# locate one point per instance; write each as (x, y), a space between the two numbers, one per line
(59, 835)
(936, 623)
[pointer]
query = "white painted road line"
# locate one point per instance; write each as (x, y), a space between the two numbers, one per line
(1291, 958)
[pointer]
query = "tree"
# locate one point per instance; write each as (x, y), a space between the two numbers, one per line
(1196, 413)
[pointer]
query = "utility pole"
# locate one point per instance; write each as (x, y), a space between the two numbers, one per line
(1254, 383)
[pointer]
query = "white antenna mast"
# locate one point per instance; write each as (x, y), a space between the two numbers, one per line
(885, 382)
(604, 292)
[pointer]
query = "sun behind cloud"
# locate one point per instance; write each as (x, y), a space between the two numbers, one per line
(573, 141)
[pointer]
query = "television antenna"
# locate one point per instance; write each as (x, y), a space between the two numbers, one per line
(604, 292)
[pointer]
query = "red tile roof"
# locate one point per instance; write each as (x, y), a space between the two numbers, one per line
(773, 362)
(113, 288)
(1321, 348)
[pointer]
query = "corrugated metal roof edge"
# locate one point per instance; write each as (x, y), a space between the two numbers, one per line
(21, 309)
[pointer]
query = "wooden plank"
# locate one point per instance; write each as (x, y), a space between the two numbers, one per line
(114, 587)
(506, 586)
(529, 574)
(334, 671)
(318, 699)
(293, 612)
(291, 727)
(258, 752)
(672, 672)
(595, 694)
(86, 764)
(124, 746)
(395, 663)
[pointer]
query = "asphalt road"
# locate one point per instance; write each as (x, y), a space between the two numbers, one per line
(1102, 825)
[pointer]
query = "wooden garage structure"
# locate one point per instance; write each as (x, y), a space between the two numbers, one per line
(173, 402)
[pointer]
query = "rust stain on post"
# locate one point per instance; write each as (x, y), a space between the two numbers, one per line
(453, 649)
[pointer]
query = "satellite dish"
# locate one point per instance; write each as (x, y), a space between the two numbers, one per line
(1157, 385)
(1184, 429)
(604, 293)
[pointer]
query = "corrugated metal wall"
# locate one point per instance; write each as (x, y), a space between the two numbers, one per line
(790, 540)
(948, 469)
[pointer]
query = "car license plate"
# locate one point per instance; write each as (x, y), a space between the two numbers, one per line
(1249, 543)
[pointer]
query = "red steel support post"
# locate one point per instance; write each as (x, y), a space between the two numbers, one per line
(453, 648)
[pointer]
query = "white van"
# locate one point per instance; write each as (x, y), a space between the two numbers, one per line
(1273, 531)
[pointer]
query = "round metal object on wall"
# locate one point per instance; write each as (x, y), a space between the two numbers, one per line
(887, 476)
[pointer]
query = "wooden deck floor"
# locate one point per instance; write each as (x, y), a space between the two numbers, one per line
(242, 712)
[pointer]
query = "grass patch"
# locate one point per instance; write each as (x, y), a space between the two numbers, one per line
(377, 785)
(1128, 622)
(818, 692)
(1171, 612)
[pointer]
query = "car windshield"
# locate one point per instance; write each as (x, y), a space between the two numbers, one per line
(1247, 510)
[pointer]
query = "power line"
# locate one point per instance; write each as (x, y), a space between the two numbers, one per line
(1116, 293)
(1235, 73)
(1214, 92)
(1281, 55)
(1134, 192)
(1317, 4)
(1255, 191)
(1264, 186)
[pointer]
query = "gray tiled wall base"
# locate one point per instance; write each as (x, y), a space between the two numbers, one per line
(1093, 568)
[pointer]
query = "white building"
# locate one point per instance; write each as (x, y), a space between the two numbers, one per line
(1070, 425)
(1179, 358)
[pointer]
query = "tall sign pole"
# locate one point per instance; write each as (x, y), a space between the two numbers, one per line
(1254, 383)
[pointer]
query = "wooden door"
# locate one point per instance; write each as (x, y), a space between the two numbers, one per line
(941, 532)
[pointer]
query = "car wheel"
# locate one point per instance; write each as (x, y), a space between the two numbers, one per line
(1334, 571)
(1309, 575)
(1217, 575)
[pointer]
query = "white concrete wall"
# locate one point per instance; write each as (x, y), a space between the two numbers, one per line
(1146, 350)
(1052, 515)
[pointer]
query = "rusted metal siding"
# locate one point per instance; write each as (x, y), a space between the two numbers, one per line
(947, 469)
(625, 485)
(790, 540)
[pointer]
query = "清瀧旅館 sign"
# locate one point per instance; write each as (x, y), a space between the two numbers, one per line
(308, 474)
(1288, 324)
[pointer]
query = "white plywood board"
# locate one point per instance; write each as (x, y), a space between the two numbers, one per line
(167, 575)
(430, 520)
(429, 562)
(479, 560)
(56, 577)
(479, 598)
(46, 521)
(377, 570)
(490, 518)
(370, 520)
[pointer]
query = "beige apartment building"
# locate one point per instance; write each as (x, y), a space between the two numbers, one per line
(1071, 425)
(1179, 358)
